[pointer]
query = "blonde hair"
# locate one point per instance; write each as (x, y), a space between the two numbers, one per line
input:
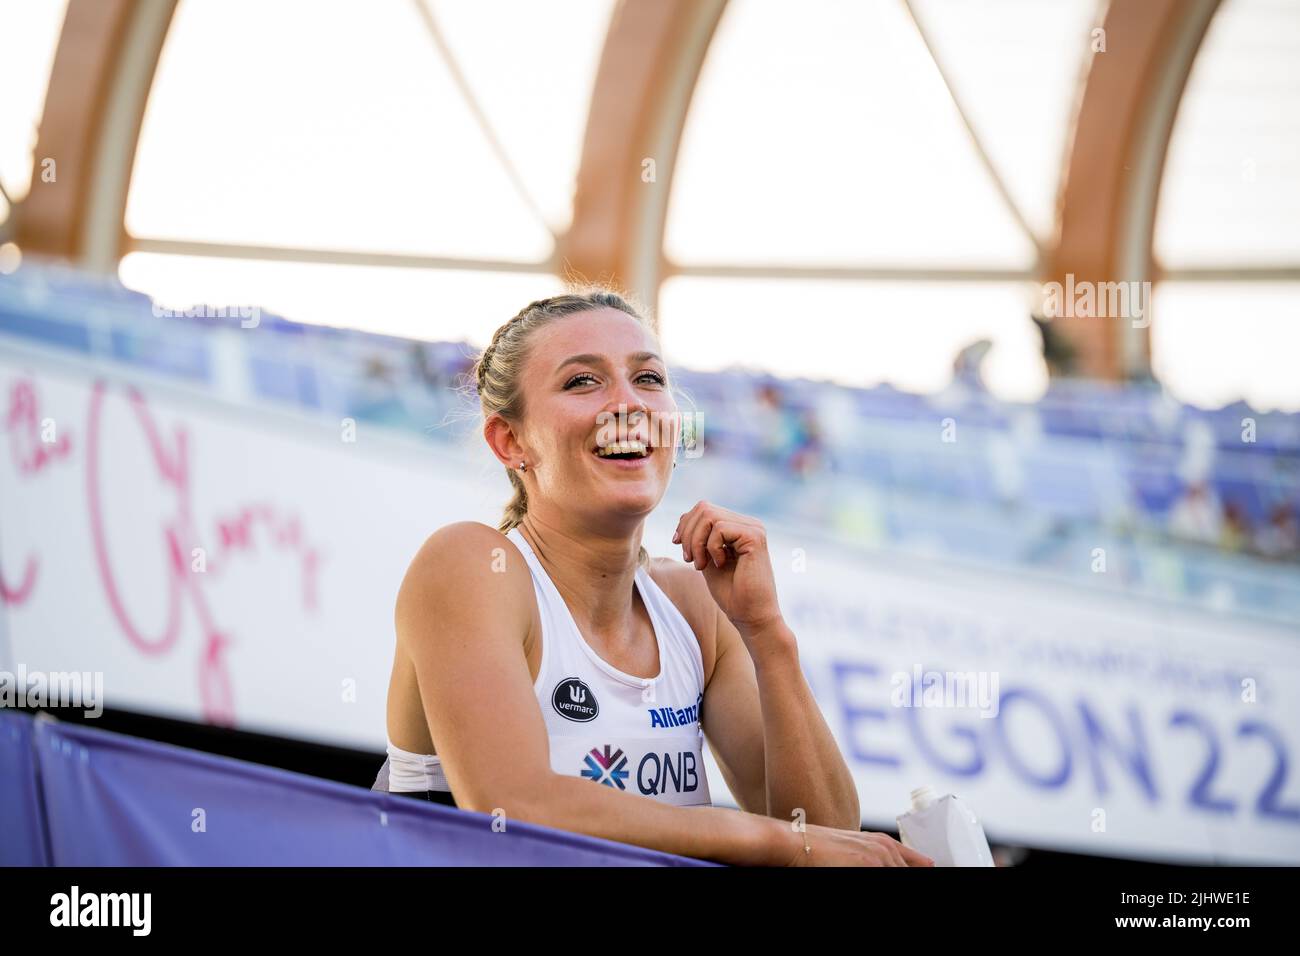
(499, 369)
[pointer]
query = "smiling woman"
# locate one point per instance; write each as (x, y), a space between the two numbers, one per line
(502, 366)
(546, 654)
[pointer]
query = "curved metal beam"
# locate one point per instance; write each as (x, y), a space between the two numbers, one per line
(99, 83)
(1106, 206)
(648, 69)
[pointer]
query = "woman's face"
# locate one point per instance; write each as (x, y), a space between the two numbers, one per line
(592, 380)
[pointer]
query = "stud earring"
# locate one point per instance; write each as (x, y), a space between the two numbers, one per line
(523, 466)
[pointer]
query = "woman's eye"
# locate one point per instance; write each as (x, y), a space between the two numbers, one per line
(585, 377)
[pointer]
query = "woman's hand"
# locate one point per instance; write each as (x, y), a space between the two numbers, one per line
(731, 550)
(831, 847)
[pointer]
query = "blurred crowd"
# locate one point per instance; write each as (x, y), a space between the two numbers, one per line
(1199, 504)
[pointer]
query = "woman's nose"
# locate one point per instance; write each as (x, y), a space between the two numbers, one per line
(626, 418)
(625, 400)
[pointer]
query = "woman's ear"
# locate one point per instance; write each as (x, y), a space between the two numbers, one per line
(500, 436)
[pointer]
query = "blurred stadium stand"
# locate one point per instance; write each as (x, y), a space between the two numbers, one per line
(1024, 486)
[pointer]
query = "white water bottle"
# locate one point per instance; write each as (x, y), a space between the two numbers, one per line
(944, 829)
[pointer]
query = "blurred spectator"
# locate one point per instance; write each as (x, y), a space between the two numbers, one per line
(1197, 515)
(376, 369)
(770, 418)
(776, 426)
(806, 457)
(789, 438)
(967, 365)
(1235, 534)
(1199, 452)
(1058, 353)
(426, 369)
(1279, 537)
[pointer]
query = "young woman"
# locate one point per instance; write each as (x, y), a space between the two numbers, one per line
(550, 671)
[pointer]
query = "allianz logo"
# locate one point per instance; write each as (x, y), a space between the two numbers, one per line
(676, 716)
(670, 717)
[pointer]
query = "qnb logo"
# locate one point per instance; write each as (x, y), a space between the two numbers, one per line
(102, 909)
(606, 768)
(573, 700)
(657, 772)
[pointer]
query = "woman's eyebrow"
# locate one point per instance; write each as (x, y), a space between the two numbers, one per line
(588, 358)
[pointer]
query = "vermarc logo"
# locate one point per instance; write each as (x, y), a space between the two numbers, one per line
(573, 700)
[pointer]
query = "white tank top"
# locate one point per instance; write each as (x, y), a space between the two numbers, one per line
(637, 734)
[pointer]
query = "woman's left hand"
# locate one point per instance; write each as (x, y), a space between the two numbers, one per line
(731, 550)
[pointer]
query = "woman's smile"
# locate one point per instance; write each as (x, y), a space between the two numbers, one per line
(625, 455)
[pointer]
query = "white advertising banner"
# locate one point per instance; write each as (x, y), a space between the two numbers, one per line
(239, 566)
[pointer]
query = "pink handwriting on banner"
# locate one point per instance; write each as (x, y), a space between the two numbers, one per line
(168, 462)
(236, 534)
(31, 454)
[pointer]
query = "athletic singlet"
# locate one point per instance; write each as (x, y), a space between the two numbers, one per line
(637, 734)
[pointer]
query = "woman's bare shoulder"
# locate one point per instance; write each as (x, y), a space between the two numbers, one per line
(466, 561)
(461, 536)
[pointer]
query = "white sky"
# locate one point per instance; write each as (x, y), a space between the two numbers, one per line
(822, 137)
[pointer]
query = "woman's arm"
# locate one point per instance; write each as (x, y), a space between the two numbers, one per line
(768, 734)
(705, 833)
(802, 762)
(760, 715)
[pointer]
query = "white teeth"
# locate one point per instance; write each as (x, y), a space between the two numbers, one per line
(622, 448)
